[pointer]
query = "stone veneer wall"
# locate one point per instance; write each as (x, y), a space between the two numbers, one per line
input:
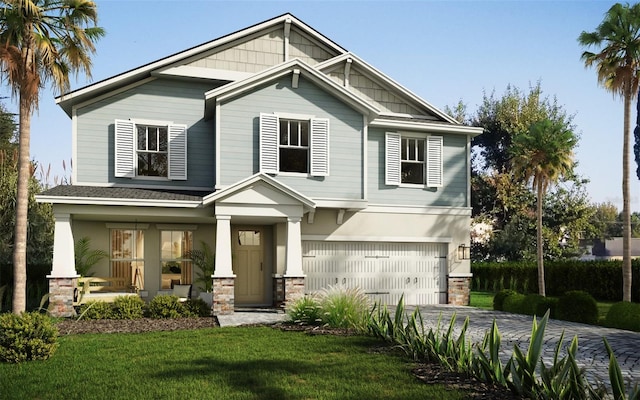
(278, 291)
(293, 289)
(223, 296)
(459, 290)
(61, 292)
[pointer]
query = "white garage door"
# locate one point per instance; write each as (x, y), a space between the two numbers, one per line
(385, 271)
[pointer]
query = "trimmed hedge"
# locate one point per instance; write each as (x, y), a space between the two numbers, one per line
(624, 315)
(498, 299)
(578, 306)
(514, 303)
(602, 279)
(28, 336)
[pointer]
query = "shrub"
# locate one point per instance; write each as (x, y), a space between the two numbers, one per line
(514, 303)
(305, 310)
(198, 307)
(128, 307)
(29, 336)
(96, 310)
(166, 306)
(344, 307)
(498, 299)
(530, 303)
(624, 315)
(546, 304)
(577, 306)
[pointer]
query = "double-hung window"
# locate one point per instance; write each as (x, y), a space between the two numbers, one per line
(413, 160)
(150, 149)
(127, 256)
(175, 268)
(294, 145)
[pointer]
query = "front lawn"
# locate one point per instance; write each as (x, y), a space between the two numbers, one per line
(218, 363)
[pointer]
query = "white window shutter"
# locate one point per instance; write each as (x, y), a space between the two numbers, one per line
(177, 152)
(124, 166)
(434, 161)
(269, 154)
(319, 147)
(392, 159)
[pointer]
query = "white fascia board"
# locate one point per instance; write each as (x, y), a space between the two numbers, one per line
(329, 64)
(66, 100)
(427, 127)
(307, 202)
(351, 205)
(393, 239)
(186, 71)
(237, 88)
(408, 209)
(117, 202)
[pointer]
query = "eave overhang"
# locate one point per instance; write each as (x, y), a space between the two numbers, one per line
(102, 201)
(426, 127)
(295, 66)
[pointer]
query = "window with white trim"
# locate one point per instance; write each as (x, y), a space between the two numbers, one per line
(127, 256)
(150, 149)
(175, 268)
(294, 145)
(413, 160)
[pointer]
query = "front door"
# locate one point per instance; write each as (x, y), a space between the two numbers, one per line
(248, 265)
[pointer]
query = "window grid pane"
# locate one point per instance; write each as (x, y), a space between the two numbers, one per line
(175, 268)
(412, 161)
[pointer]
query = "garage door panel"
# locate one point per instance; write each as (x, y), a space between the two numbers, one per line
(385, 271)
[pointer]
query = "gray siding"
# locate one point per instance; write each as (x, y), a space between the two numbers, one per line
(163, 100)
(240, 137)
(453, 193)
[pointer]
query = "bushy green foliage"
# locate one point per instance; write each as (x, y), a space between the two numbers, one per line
(128, 307)
(167, 306)
(514, 303)
(530, 303)
(577, 306)
(198, 307)
(498, 299)
(624, 315)
(305, 310)
(546, 304)
(344, 307)
(29, 336)
(602, 279)
(96, 310)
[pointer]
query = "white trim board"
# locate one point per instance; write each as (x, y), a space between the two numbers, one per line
(394, 239)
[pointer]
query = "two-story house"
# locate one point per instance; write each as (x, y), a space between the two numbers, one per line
(298, 163)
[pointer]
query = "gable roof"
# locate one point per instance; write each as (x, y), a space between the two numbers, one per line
(258, 178)
(67, 100)
(295, 66)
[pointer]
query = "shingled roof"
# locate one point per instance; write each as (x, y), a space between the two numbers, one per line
(98, 192)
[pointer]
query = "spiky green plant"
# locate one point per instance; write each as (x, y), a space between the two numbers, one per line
(344, 307)
(205, 260)
(305, 310)
(85, 257)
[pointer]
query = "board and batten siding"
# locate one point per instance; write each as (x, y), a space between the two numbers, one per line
(453, 193)
(240, 143)
(159, 100)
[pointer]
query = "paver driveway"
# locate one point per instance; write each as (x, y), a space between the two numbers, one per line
(516, 329)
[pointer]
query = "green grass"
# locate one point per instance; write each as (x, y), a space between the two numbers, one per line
(218, 363)
(485, 300)
(482, 300)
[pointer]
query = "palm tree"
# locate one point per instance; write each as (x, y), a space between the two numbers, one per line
(543, 155)
(41, 41)
(618, 68)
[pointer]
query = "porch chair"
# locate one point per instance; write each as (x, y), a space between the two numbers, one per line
(183, 292)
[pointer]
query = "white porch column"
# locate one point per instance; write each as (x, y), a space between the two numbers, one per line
(294, 248)
(64, 264)
(223, 247)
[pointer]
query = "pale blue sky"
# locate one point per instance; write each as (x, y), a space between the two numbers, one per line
(443, 51)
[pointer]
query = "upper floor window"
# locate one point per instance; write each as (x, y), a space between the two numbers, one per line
(294, 145)
(413, 160)
(150, 149)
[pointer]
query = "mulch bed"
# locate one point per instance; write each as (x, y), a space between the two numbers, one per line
(431, 373)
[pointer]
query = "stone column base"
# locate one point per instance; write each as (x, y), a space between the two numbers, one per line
(459, 290)
(293, 288)
(278, 291)
(61, 293)
(223, 295)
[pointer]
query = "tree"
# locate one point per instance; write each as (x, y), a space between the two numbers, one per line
(41, 41)
(618, 67)
(543, 155)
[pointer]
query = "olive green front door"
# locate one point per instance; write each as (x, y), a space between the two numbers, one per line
(248, 265)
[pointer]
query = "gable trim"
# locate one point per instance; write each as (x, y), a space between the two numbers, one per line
(234, 89)
(307, 203)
